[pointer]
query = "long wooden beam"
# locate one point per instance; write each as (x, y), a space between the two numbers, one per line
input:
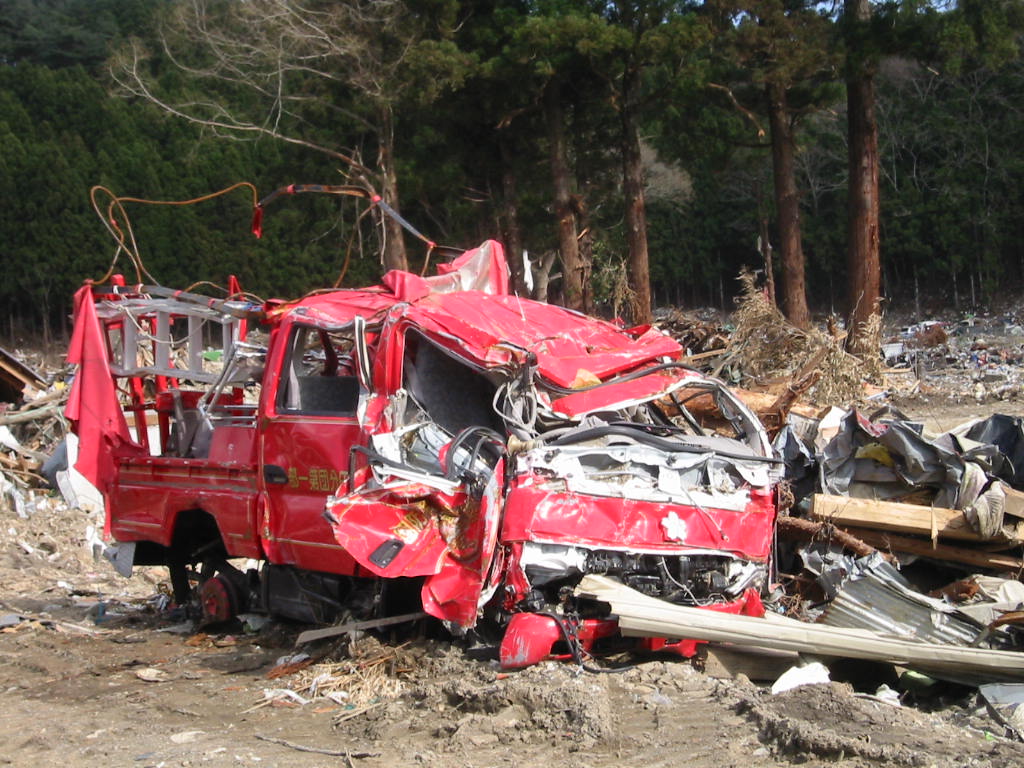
(642, 616)
(978, 558)
(894, 516)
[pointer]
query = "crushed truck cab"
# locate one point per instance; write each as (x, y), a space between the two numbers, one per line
(433, 443)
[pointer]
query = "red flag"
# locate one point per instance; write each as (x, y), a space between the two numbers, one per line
(93, 404)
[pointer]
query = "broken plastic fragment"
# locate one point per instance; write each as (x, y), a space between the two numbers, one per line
(814, 673)
(152, 675)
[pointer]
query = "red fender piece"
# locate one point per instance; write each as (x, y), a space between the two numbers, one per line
(528, 640)
(530, 637)
(748, 604)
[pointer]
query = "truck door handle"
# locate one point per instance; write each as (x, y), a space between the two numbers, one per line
(274, 475)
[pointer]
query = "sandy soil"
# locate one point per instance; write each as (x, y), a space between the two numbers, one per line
(92, 674)
(129, 694)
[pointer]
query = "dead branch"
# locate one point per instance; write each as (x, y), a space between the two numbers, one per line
(317, 750)
(743, 110)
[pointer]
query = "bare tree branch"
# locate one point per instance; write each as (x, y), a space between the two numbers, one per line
(743, 110)
(274, 68)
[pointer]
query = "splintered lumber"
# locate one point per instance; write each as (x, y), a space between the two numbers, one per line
(34, 414)
(978, 558)
(642, 616)
(795, 389)
(808, 530)
(15, 376)
(703, 355)
(894, 516)
(759, 402)
(772, 409)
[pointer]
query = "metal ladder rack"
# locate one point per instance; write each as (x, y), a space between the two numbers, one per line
(141, 333)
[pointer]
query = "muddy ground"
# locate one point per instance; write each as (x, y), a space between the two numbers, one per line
(92, 673)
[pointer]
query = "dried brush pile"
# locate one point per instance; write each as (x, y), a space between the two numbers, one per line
(370, 675)
(765, 346)
(610, 282)
(763, 343)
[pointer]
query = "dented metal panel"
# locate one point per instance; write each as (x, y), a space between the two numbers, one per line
(874, 596)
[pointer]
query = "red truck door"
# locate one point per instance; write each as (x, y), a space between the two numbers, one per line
(308, 429)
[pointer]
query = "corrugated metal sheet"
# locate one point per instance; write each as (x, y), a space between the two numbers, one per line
(875, 596)
(876, 603)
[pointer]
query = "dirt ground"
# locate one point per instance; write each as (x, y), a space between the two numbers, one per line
(93, 674)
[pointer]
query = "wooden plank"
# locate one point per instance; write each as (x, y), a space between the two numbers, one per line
(642, 616)
(17, 374)
(977, 558)
(1014, 502)
(353, 626)
(758, 664)
(704, 355)
(894, 516)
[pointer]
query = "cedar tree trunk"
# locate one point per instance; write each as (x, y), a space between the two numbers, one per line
(568, 245)
(633, 192)
(862, 257)
(511, 231)
(787, 203)
(394, 235)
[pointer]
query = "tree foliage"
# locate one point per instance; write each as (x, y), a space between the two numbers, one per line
(453, 93)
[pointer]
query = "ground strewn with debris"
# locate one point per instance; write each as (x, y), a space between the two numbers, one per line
(94, 671)
(136, 695)
(92, 674)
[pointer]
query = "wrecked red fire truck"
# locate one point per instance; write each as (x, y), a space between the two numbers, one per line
(434, 444)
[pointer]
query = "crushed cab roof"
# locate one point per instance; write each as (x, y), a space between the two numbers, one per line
(488, 323)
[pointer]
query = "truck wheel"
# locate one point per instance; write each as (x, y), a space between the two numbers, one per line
(216, 588)
(219, 599)
(195, 556)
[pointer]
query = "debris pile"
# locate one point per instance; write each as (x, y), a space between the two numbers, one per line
(370, 675)
(699, 332)
(962, 358)
(884, 527)
(30, 422)
(951, 498)
(764, 354)
(48, 537)
(966, 358)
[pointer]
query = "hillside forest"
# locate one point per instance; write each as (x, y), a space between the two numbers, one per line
(630, 155)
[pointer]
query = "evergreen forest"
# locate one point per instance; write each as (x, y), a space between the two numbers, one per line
(639, 153)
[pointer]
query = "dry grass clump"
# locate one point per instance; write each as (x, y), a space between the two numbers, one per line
(765, 346)
(370, 676)
(612, 281)
(842, 375)
(868, 346)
